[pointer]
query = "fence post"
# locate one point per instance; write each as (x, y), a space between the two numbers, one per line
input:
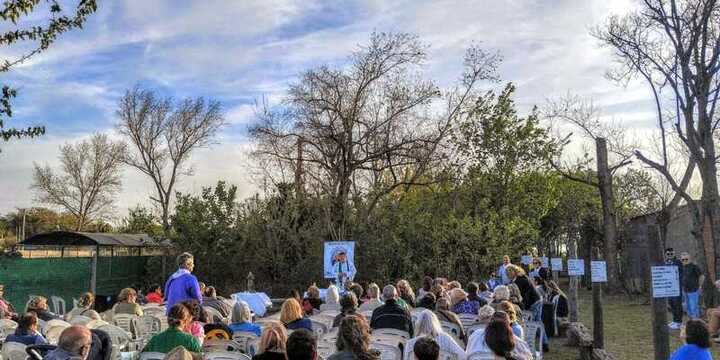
(250, 281)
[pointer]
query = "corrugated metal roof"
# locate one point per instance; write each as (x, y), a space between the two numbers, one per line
(72, 238)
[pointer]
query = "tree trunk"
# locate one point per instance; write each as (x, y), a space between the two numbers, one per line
(598, 320)
(709, 206)
(573, 288)
(609, 225)
(661, 338)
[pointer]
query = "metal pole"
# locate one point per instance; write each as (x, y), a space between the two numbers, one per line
(93, 270)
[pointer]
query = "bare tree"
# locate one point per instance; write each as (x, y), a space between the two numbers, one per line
(88, 180)
(164, 134)
(368, 127)
(674, 46)
(612, 153)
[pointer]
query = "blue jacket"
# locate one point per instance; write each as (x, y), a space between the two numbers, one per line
(691, 352)
(181, 286)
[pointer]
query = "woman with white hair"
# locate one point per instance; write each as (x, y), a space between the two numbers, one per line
(429, 325)
(374, 302)
(242, 319)
(476, 341)
(502, 293)
(332, 299)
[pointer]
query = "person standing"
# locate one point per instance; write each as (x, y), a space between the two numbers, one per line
(675, 303)
(504, 278)
(183, 285)
(690, 281)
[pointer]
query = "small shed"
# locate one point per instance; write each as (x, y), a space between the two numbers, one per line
(67, 263)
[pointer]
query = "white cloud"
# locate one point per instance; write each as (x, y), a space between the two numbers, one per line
(243, 50)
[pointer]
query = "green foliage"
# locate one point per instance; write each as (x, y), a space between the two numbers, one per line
(43, 36)
(141, 220)
(458, 228)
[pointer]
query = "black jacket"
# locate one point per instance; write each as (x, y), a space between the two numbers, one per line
(392, 316)
(527, 290)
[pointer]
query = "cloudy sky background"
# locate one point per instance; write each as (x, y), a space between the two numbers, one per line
(239, 51)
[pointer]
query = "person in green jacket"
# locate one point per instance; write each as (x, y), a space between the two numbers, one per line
(178, 318)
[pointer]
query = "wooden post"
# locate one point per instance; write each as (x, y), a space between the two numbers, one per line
(250, 281)
(608, 207)
(93, 270)
(661, 338)
(573, 290)
(606, 198)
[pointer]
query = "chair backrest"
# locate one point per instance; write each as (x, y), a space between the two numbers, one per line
(221, 345)
(14, 351)
(468, 320)
(154, 310)
(55, 323)
(52, 334)
(526, 316)
(149, 325)
(8, 326)
(152, 356)
(387, 352)
(214, 315)
(481, 355)
(394, 332)
(451, 328)
(319, 328)
(80, 320)
(120, 338)
(75, 302)
(58, 305)
(325, 349)
(444, 355)
(124, 321)
(225, 355)
(533, 336)
(328, 308)
(244, 338)
(471, 329)
(94, 324)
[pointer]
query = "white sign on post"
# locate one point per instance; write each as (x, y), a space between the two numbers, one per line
(557, 264)
(526, 259)
(576, 267)
(598, 271)
(665, 281)
(544, 261)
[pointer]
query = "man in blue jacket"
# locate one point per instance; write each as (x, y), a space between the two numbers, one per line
(182, 285)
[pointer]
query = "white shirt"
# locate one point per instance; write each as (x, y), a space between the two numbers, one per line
(476, 343)
(445, 341)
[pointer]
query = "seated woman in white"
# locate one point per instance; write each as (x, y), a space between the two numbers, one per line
(429, 325)
(332, 300)
(477, 344)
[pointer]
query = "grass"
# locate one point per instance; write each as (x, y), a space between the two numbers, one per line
(628, 331)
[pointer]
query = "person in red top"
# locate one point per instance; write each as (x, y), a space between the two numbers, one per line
(154, 295)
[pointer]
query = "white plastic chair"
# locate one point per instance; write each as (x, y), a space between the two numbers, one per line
(319, 328)
(148, 325)
(526, 316)
(444, 355)
(124, 321)
(14, 351)
(387, 352)
(472, 329)
(94, 324)
(58, 305)
(80, 320)
(244, 338)
(224, 355)
(52, 334)
(222, 346)
(214, 315)
(55, 323)
(8, 326)
(395, 332)
(451, 329)
(152, 356)
(479, 355)
(534, 331)
(468, 320)
(120, 338)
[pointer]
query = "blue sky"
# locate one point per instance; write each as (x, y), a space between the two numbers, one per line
(239, 51)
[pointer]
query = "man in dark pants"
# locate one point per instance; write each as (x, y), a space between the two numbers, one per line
(675, 303)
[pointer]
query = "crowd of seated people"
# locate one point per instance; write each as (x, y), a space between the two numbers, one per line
(357, 311)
